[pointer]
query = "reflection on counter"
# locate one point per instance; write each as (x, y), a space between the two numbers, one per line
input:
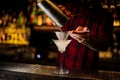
(20, 71)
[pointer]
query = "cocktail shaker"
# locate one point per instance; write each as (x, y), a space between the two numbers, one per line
(53, 12)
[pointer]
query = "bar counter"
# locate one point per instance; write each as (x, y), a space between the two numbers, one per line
(23, 71)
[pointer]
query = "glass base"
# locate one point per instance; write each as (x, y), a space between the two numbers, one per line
(62, 71)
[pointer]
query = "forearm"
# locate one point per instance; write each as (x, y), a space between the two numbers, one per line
(96, 43)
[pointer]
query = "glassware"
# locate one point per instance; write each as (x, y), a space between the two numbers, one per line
(62, 42)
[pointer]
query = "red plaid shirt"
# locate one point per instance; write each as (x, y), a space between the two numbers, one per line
(99, 21)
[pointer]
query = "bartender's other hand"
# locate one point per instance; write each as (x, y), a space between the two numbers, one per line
(80, 34)
(63, 8)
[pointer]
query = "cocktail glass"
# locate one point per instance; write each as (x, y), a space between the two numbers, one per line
(62, 42)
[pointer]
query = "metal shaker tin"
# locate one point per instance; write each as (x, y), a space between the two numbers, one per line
(53, 12)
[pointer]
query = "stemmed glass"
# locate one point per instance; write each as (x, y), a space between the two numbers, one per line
(62, 42)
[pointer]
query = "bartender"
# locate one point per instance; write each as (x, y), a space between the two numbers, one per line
(85, 15)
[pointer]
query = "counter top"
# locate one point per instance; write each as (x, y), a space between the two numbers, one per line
(16, 71)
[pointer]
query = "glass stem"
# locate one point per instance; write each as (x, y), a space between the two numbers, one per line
(61, 64)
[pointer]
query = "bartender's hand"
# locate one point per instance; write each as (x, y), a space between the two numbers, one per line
(80, 34)
(63, 8)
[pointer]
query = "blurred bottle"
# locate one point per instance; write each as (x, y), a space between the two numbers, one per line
(39, 17)
(33, 14)
(22, 19)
